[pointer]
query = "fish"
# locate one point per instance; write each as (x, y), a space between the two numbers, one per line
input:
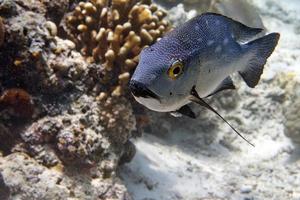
(195, 61)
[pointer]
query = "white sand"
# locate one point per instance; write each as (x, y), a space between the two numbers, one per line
(181, 166)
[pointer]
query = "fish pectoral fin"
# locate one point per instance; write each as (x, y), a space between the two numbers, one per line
(259, 50)
(227, 84)
(197, 99)
(187, 111)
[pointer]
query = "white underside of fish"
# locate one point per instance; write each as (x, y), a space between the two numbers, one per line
(154, 104)
(211, 76)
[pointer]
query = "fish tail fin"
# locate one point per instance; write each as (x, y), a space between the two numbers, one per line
(259, 51)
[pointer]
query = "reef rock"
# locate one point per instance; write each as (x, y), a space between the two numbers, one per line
(30, 180)
(2, 32)
(291, 85)
(60, 109)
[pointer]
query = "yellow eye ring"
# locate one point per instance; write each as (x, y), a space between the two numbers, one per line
(175, 70)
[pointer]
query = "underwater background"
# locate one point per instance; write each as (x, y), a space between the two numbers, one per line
(70, 129)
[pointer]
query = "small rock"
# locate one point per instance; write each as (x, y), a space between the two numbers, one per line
(248, 198)
(51, 27)
(245, 189)
(277, 95)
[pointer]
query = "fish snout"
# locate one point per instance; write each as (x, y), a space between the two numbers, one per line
(139, 89)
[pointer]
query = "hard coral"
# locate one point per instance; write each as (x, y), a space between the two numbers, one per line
(64, 87)
(86, 134)
(2, 32)
(19, 101)
(21, 177)
(55, 9)
(76, 111)
(117, 118)
(291, 85)
(115, 34)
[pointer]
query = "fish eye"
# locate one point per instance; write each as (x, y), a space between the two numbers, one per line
(175, 70)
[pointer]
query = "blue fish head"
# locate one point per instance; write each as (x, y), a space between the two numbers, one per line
(151, 83)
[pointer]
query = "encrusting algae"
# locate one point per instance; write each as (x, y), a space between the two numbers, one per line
(113, 33)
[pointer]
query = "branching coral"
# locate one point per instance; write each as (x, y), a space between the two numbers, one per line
(115, 34)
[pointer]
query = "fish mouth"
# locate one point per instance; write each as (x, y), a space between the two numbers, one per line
(139, 89)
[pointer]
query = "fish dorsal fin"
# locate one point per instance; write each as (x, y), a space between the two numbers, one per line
(241, 32)
(196, 98)
(226, 84)
(187, 111)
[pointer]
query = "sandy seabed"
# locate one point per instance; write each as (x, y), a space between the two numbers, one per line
(183, 161)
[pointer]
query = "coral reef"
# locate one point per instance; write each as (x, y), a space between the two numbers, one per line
(34, 181)
(63, 92)
(18, 102)
(55, 10)
(114, 35)
(292, 126)
(2, 32)
(291, 85)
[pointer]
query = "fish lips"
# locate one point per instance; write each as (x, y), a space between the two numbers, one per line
(139, 89)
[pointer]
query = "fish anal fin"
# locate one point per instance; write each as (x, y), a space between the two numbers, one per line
(187, 111)
(226, 84)
(259, 51)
